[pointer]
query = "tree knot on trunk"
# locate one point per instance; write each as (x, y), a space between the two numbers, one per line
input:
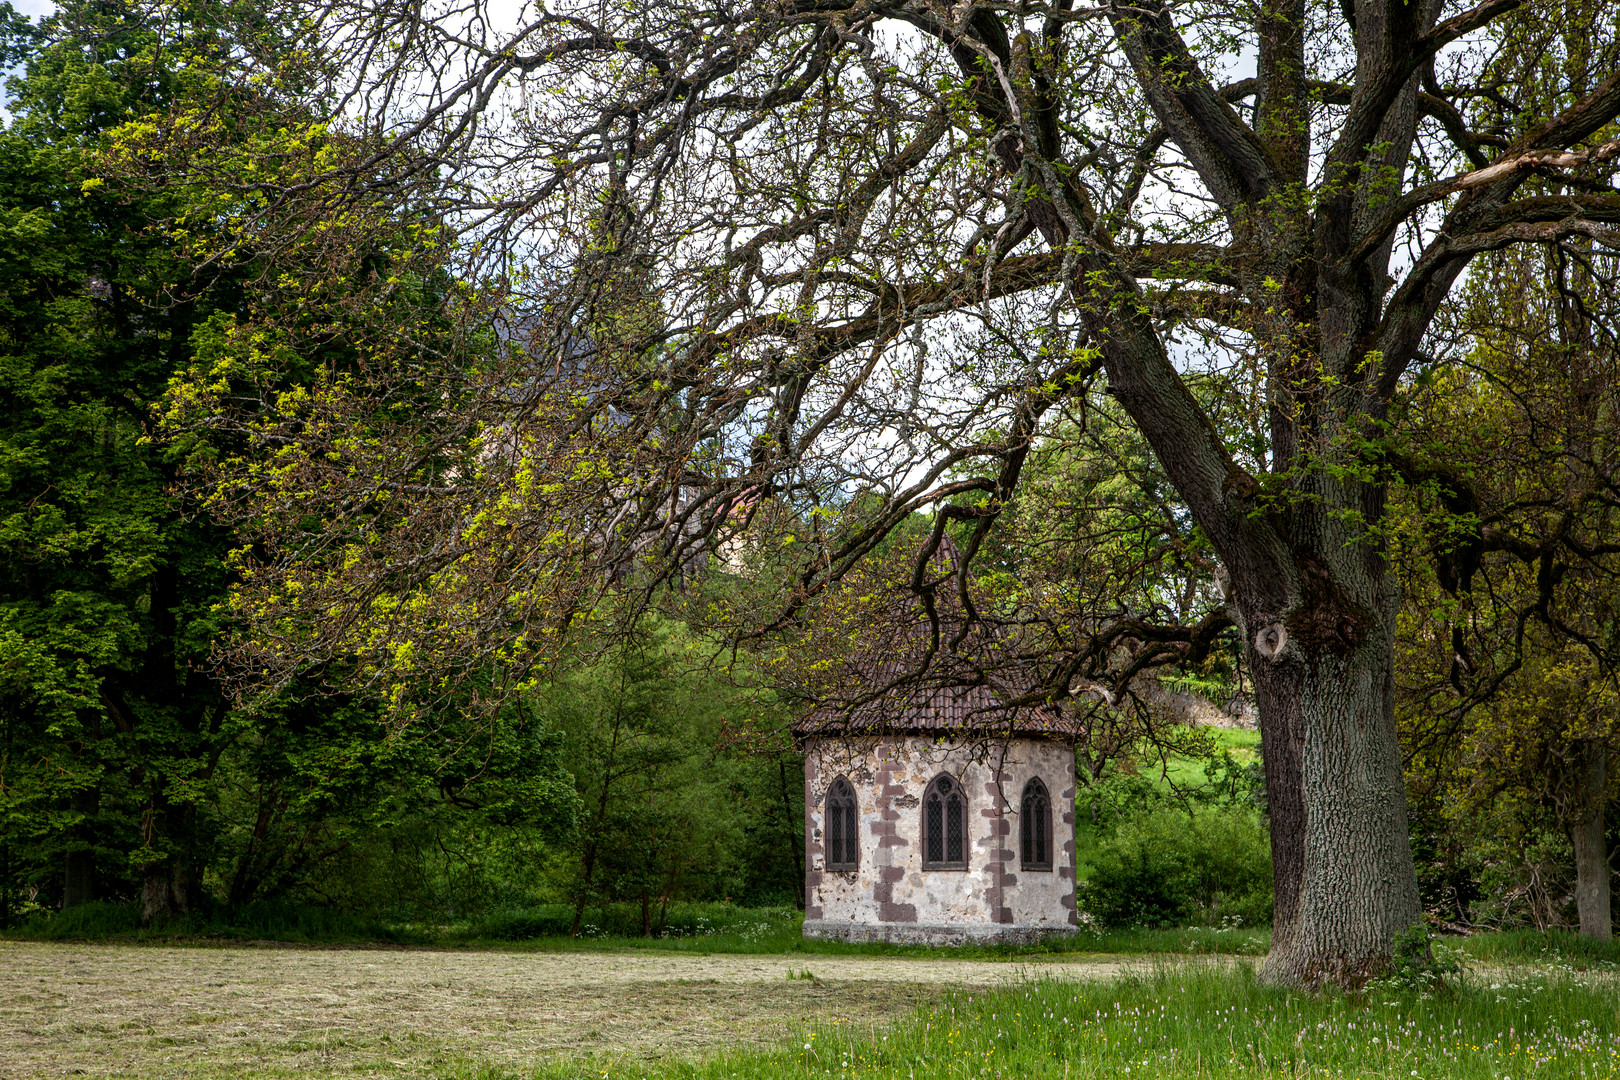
(1327, 619)
(1239, 484)
(1270, 640)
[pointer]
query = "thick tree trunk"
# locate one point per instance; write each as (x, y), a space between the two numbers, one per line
(1592, 871)
(79, 878)
(1282, 745)
(795, 825)
(167, 878)
(79, 873)
(165, 890)
(1341, 855)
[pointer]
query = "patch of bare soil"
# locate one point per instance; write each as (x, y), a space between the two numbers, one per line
(97, 1010)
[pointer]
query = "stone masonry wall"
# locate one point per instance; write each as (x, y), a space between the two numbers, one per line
(890, 896)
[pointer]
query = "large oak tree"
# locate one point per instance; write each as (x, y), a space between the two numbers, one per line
(774, 252)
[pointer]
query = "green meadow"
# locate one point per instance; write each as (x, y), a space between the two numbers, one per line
(1183, 1021)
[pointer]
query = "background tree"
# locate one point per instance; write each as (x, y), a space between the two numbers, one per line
(1511, 643)
(107, 588)
(127, 770)
(674, 771)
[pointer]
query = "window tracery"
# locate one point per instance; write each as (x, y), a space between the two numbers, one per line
(944, 825)
(1035, 826)
(842, 848)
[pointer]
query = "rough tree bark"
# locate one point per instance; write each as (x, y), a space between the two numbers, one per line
(79, 878)
(1357, 884)
(165, 890)
(1593, 874)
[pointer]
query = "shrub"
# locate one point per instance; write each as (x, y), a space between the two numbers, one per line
(83, 922)
(679, 920)
(1415, 963)
(1171, 868)
(267, 920)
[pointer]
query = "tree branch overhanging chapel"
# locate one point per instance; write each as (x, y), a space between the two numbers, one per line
(817, 246)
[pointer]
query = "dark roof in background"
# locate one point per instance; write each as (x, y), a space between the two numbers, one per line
(930, 704)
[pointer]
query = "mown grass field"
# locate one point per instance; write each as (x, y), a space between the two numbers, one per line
(1529, 1006)
(233, 1011)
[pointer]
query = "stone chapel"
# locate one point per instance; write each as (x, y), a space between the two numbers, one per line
(935, 816)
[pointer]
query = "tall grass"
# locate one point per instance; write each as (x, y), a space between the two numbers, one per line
(1555, 947)
(1185, 1021)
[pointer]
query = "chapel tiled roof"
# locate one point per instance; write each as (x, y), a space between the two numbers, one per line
(938, 710)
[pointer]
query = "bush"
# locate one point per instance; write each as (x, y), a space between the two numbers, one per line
(266, 920)
(1172, 868)
(84, 922)
(679, 920)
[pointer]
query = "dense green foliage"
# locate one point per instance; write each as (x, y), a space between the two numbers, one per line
(1177, 839)
(1171, 868)
(127, 771)
(110, 727)
(1509, 644)
(688, 786)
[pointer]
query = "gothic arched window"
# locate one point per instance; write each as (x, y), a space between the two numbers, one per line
(944, 825)
(842, 849)
(1035, 825)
